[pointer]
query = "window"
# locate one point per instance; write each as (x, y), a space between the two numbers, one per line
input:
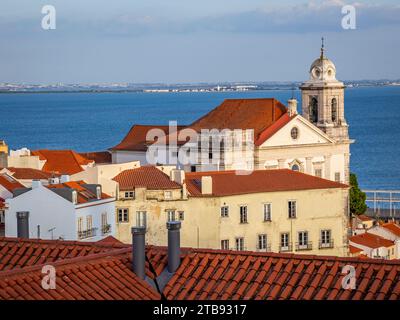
(337, 176)
(262, 241)
(123, 215)
(334, 109)
(292, 209)
(224, 211)
(181, 215)
(325, 238)
(243, 214)
(294, 133)
(285, 244)
(80, 225)
(267, 212)
(303, 239)
(313, 109)
(141, 219)
(89, 222)
(193, 169)
(171, 215)
(210, 155)
(224, 244)
(105, 227)
(129, 194)
(168, 195)
(239, 244)
(295, 167)
(318, 173)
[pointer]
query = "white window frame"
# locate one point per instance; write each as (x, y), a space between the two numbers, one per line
(225, 244)
(284, 241)
(239, 242)
(171, 215)
(224, 211)
(267, 214)
(123, 212)
(303, 239)
(326, 238)
(129, 194)
(168, 195)
(243, 214)
(262, 241)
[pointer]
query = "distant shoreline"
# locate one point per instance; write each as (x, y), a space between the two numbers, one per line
(187, 90)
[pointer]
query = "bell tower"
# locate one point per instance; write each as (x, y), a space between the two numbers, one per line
(323, 98)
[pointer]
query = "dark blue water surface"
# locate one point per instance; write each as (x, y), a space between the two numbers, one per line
(97, 121)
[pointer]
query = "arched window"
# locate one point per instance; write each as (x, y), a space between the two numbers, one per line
(314, 109)
(334, 109)
(295, 167)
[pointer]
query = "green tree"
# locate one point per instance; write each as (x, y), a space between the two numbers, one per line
(357, 197)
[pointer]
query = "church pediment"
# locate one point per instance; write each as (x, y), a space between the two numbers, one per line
(297, 131)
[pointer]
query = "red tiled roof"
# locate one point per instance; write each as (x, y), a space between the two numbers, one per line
(135, 140)
(146, 176)
(104, 276)
(98, 157)
(225, 183)
(9, 183)
(109, 239)
(84, 194)
(221, 275)
(203, 275)
(256, 114)
(61, 161)
(273, 128)
(21, 253)
(371, 240)
(354, 250)
(393, 228)
(30, 174)
(363, 217)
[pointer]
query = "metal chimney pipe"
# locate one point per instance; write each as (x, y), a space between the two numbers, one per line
(138, 251)
(23, 224)
(174, 245)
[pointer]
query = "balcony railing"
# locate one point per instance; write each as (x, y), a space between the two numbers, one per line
(326, 245)
(303, 246)
(106, 229)
(286, 248)
(89, 233)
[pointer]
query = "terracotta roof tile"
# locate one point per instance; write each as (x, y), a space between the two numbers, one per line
(100, 157)
(371, 240)
(9, 183)
(146, 176)
(30, 174)
(226, 183)
(256, 114)
(202, 274)
(136, 140)
(393, 228)
(61, 161)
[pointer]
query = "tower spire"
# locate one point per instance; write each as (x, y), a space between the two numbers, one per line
(322, 48)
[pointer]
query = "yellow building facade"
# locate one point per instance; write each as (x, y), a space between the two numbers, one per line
(311, 221)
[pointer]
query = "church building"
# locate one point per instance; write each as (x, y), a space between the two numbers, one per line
(315, 142)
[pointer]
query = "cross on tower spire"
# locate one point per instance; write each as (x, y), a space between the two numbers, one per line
(322, 48)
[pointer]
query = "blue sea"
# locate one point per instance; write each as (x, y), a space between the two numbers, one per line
(97, 121)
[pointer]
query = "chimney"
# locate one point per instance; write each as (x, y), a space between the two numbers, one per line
(292, 107)
(64, 178)
(23, 224)
(174, 245)
(36, 184)
(177, 176)
(206, 185)
(138, 251)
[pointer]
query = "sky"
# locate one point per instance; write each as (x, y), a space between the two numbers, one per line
(182, 41)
